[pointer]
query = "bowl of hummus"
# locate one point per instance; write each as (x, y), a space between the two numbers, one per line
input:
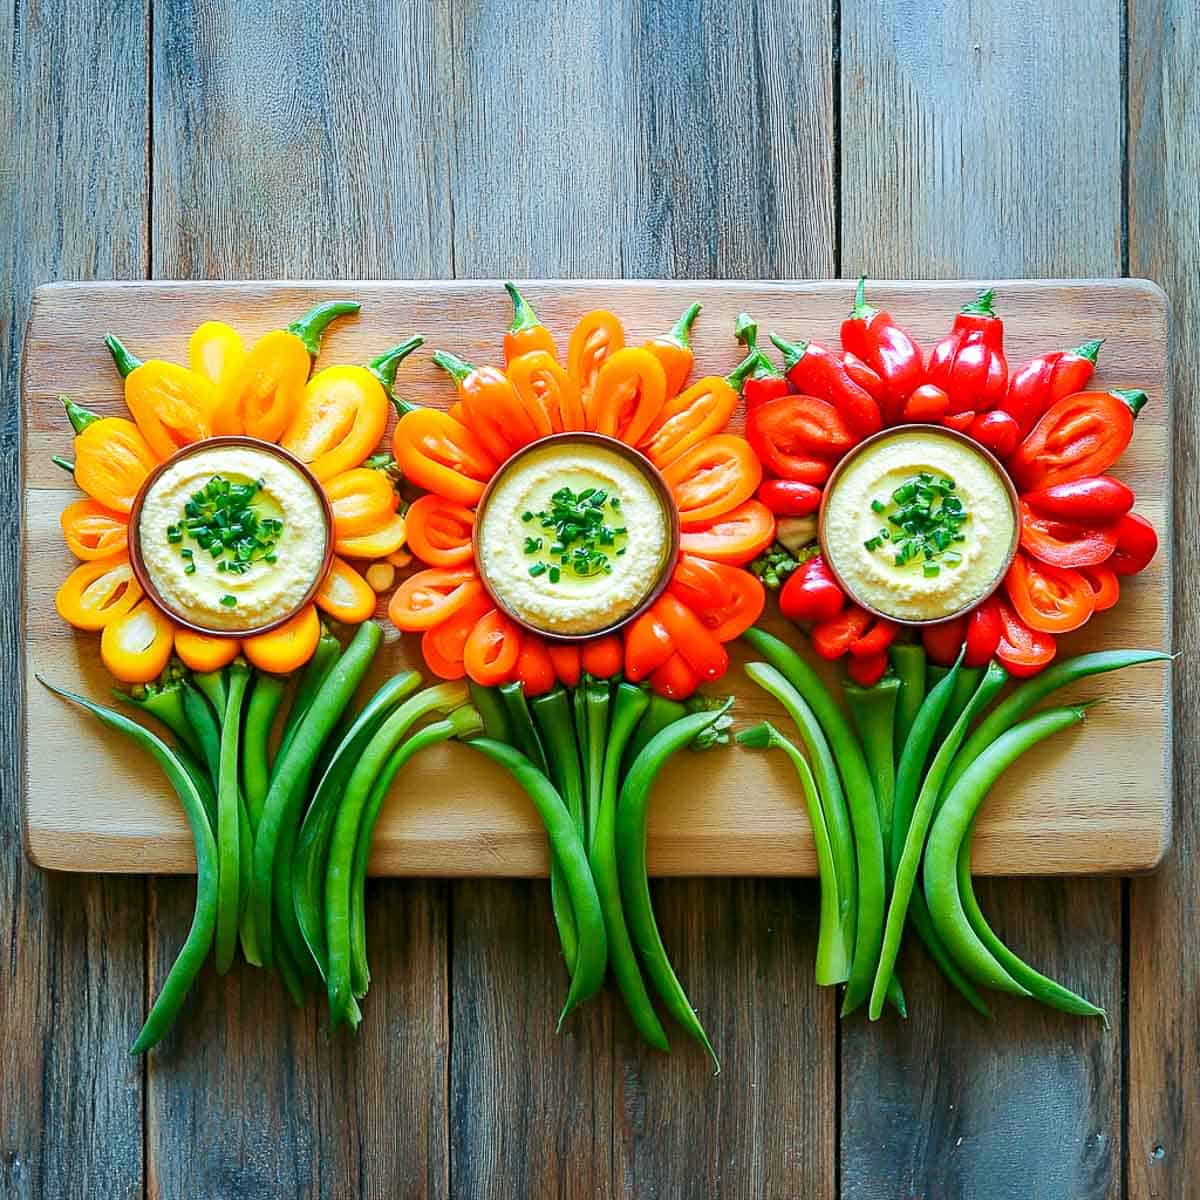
(231, 536)
(919, 524)
(576, 535)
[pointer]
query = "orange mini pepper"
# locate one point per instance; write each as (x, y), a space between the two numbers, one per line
(93, 531)
(628, 395)
(712, 478)
(443, 646)
(492, 649)
(98, 592)
(535, 668)
(439, 531)
(526, 333)
(362, 499)
(688, 418)
(440, 454)
(673, 350)
(215, 350)
(262, 395)
(136, 647)
(430, 597)
(287, 648)
(491, 407)
(112, 460)
(598, 334)
(548, 391)
(205, 652)
(602, 656)
(345, 595)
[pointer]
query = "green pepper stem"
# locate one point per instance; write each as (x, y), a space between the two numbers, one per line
(1135, 398)
(310, 328)
(793, 352)
(125, 361)
(862, 311)
(457, 368)
(65, 463)
(682, 328)
(745, 329)
(755, 365)
(523, 315)
(383, 366)
(1089, 350)
(79, 416)
(758, 737)
(981, 306)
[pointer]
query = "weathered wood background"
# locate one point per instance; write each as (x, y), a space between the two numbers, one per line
(771, 139)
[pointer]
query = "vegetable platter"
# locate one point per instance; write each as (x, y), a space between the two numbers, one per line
(1096, 800)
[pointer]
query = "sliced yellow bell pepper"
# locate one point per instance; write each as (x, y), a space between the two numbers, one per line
(204, 652)
(98, 592)
(381, 541)
(345, 595)
(288, 647)
(215, 350)
(136, 647)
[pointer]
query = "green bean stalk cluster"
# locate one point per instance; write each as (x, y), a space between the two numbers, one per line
(588, 758)
(893, 779)
(282, 809)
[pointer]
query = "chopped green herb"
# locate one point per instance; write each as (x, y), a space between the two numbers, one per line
(229, 601)
(580, 536)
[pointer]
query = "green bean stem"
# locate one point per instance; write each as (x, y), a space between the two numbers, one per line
(265, 699)
(229, 909)
(491, 708)
(213, 686)
(523, 735)
(632, 809)
(657, 717)
(908, 661)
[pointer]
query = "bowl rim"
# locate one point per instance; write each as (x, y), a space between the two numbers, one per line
(137, 562)
(657, 482)
(949, 434)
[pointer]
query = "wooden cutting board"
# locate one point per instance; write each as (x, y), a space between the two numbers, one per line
(1095, 800)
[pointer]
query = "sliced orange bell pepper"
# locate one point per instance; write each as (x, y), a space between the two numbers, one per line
(93, 531)
(136, 647)
(375, 543)
(215, 350)
(492, 648)
(546, 389)
(628, 395)
(440, 454)
(172, 405)
(443, 646)
(263, 394)
(345, 595)
(698, 647)
(598, 334)
(736, 537)
(688, 418)
(492, 410)
(674, 351)
(98, 592)
(112, 460)
(362, 499)
(287, 648)
(344, 412)
(439, 532)
(712, 478)
(430, 597)
(526, 333)
(204, 652)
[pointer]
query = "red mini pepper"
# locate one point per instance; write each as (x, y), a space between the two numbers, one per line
(867, 669)
(811, 593)
(790, 497)
(928, 403)
(1092, 500)
(968, 363)
(1049, 377)
(1136, 545)
(818, 371)
(834, 636)
(756, 377)
(996, 431)
(871, 335)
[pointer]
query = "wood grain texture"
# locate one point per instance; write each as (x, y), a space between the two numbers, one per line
(277, 151)
(737, 815)
(967, 148)
(1164, 242)
(72, 187)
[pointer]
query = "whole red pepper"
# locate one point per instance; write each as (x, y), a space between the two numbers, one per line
(1136, 545)
(871, 335)
(968, 364)
(996, 431)
(1049, 377)
(1094, 499)
(756, 377)
(789, 497)
(816, 370)
(926, 404)
(811, 593)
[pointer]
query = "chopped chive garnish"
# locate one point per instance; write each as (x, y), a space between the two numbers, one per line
(580, 537)
(923, 520)
(221, 519)
(228, 600)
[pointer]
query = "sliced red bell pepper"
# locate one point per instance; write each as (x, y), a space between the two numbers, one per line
(1048, 599)
(1036, 385)
(811, 593)
(834, 636)
(1065, 543)
(1023, 651)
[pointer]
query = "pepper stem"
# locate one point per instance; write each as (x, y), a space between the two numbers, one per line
(1135, 398)
(65, 463)
(313, 324)
(383, 367)
(457, 368)
(745, 329)
(682, 328)
(981, 306)
(755, 365)
(125, 361)
(1089, 350)
(793, 352)
(523, 315)
(862, 311)
(79, 416)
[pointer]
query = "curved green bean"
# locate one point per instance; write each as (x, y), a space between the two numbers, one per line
(163, 700)
(208, 733)
(213, 686)
(324, 658)
(491, 709)
(908, 661)
(657, 717)
(965, 685)
(873, 711)
(265, 698)
(229, 853)
(520, 722)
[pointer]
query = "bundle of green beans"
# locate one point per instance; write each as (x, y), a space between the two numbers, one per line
(892, 795)
(588, 758)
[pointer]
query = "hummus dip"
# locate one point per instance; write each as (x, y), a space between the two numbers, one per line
(917, 525)
(239, 582)
(573, 537)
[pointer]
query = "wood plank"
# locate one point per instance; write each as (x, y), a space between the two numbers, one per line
(966, 149)
(1164, 242)
(72, 194)
(743, 819)
(275, 154)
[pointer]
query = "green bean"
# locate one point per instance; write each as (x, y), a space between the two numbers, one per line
(833, 951)
(908, 661)
(567, 846)
(163, 700)
(195, 948)
(247, 934)
(312, 847)
(289, 972)
(635, 881)
(965, 684)
(491, 708)
(229, 908)
(522, 733)
(593, 737)
(918, 913)
(922, 817)
(961, 804)
(324, 658)
(213, 688)
(264, 702)
(1021, 699)
(829, 786)
(864, 817)
(289, 782)
(658, 716)
(873, 711)
(552, 714)
(464, 722)
(208, 734)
